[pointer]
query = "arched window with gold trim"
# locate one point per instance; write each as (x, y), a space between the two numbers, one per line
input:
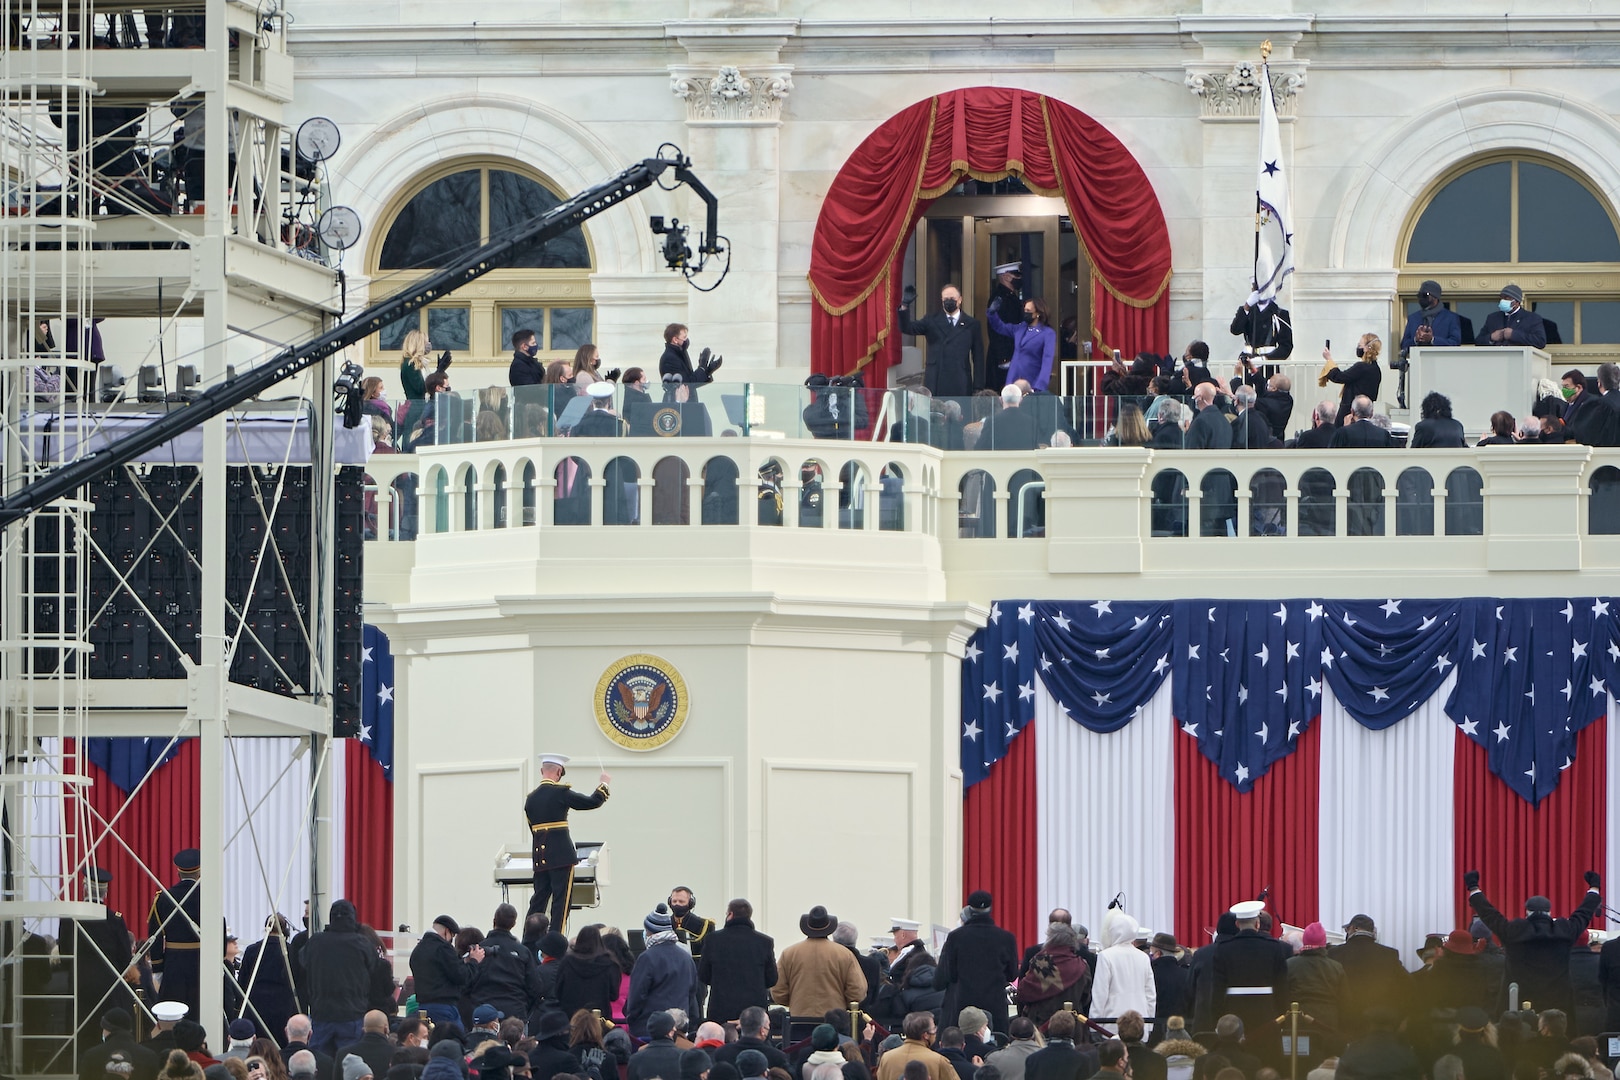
(454, 208)
(1530, 219)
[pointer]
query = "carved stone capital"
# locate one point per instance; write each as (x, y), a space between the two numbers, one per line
(1234, 93)
(732, 96)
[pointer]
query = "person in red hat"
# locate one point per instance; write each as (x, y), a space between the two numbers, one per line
(1461, 976)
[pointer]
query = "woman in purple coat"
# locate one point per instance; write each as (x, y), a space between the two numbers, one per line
(1034, 345)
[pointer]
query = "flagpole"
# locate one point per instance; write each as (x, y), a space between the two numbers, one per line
(1265, 74)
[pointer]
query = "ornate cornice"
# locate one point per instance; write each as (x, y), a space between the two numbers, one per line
(731, 96)
(1234, 93)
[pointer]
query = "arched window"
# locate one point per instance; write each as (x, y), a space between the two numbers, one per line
(453, 209)
(1524, 218)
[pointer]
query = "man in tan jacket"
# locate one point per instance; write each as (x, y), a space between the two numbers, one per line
(919, 1032)
(818, 974)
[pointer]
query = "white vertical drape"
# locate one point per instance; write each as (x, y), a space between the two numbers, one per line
(267, 818)
(337, 765)
(1387, 817)
(1106, 810)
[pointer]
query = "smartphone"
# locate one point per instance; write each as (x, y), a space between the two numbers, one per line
(1327, 343)
(1116, 356)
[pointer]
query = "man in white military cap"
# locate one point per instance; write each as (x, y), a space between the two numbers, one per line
(554, 856)
(907, 950)
(1250, 975)
(1007, 301)
(600, 421)
(167, 1014)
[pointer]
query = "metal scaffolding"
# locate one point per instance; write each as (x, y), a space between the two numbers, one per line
(110, 123)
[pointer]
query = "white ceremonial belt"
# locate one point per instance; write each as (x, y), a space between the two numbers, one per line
(1247, 991)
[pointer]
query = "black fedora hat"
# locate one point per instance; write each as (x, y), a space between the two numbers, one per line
(817, 923)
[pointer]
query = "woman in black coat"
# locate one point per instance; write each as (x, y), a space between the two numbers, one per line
(266, 978)
(587, 977)
(1437, 428)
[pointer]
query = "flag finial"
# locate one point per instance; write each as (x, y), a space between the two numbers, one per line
(1265, 50)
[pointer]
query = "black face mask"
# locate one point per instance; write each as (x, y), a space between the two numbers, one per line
(1427, 301)
(678, 911)
(949, 304)
(533, 350)
(1360, 352)
(1029, 317)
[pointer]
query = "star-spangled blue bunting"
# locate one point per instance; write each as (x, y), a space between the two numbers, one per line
(1249, 675)
(377, 698)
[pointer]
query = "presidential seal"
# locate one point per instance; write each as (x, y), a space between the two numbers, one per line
(641, 702)
(666, 422)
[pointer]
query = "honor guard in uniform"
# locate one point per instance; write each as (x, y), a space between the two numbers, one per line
(166, 1014)
(554, 856)
(100, 950)
(1251, 981)
(172, 925)
(1006, 300)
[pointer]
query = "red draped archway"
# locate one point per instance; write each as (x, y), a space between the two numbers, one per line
(987, 133)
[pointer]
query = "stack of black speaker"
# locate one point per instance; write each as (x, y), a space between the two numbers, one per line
(146, 541)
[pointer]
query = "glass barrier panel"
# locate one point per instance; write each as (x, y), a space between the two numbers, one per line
(1465, 502)
(1603, 506)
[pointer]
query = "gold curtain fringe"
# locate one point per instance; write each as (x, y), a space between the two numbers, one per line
(1079, 236)
(894, 253)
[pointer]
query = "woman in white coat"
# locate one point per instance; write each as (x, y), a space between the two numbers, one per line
(1124, 973)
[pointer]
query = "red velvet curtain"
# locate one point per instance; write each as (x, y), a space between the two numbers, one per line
(161, 820)
(368, 837)
(1229, 846)
(999, 835)
(1522, 850)
(986, 133)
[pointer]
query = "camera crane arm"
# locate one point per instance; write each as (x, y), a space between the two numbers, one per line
(66, 479)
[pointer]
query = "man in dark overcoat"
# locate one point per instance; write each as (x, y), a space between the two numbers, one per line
(976, 963)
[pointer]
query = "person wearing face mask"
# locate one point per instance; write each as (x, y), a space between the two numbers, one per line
(677, 361)
(1361, 379)
(1511, 323)
(526, 369)
(1034, 345)
(1007, 301)
(1431, 324)
(955, 345)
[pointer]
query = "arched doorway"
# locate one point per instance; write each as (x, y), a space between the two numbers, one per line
(987, 134)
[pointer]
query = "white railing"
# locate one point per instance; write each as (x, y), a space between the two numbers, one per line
(1537, 501)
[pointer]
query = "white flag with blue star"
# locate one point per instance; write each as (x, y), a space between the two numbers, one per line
(1273, 211)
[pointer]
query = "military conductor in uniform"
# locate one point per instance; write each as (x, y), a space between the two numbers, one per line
(554, 856)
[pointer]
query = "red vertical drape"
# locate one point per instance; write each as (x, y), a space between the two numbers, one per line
(986, 133)
(999, 837)
(1229, 845)
(1522, 850)
(161, 820)
(368, 837)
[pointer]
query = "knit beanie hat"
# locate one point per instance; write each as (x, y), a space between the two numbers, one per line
(659, 921)
(355, 1067)
(825, 1037)
(694, 1063)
